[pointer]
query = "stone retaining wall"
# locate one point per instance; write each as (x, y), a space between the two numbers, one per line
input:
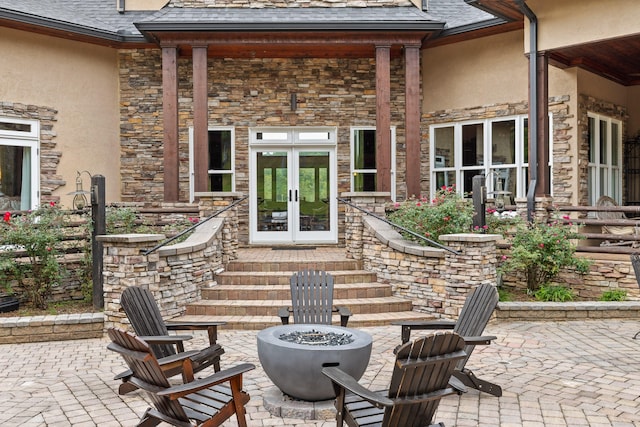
(15, 330)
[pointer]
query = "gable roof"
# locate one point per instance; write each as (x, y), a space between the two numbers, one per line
(100, 20)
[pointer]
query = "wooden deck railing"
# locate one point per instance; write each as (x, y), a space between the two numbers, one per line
(611, 235)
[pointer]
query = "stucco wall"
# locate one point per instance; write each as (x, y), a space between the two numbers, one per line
(484, 71)
(79, 81)
(571, 22)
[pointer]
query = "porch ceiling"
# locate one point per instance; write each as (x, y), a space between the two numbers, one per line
(616, 59)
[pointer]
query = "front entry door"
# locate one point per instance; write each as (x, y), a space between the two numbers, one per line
(293, 194)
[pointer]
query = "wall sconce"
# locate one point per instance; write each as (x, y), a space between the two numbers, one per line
(294, 102)
(80, 195)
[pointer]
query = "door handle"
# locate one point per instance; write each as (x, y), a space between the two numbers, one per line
(289, 195)
(296, 195)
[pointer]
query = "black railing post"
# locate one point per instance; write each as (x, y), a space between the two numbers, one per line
(98, 217)
(478, 197)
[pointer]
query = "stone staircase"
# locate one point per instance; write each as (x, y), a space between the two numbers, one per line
(248, 294)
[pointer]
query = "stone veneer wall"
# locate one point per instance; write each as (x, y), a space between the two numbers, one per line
(260, 4)
(175, 274)
(49, 157)
(435, 280)
(563, 150)
(246, 93)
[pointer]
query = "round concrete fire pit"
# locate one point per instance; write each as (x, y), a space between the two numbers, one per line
(296, 367)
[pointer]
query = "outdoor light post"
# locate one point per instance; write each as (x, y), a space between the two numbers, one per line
(98, 216)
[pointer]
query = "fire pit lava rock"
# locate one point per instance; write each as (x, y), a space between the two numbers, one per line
(293, 356)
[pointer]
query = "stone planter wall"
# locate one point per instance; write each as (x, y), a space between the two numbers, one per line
(14, 330)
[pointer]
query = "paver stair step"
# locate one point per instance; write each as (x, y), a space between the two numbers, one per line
(291, 266)
(283, 292)
(270, 307)
(282, 277)
(262, 322)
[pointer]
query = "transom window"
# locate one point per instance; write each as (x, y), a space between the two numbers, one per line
(496, 148)
(19, 164)
(605, 158)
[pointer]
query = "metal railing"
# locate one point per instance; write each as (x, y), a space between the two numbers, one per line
(194, 226)
(399, 227)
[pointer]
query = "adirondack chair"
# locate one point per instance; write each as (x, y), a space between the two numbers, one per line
(207, 401)
(146, 320)
(312, 299)
(419, 380)
(475, 314)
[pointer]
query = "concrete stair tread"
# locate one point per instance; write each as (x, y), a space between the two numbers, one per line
(261, 322)
(282, 303)
(263, 286)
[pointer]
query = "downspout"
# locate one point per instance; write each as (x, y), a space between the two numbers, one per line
(533, 107)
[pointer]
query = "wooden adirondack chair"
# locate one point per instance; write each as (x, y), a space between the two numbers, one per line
(206, 401)
(419, 380)
(146, 320)
(312, 300)
(475, 314)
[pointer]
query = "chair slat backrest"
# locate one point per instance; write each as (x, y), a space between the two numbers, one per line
(475, 314)
(144, 365)
(422, 366)
(143, 313)
(312, 297)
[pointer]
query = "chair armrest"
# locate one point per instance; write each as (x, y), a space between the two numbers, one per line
(347, 382)
(165, 339)
(181, 390)
(168, 362)
(408, 325)
(345, 313)
(210, 327)
(284, 313)
(482, 340)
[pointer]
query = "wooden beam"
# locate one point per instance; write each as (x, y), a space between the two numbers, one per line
(412, 118)
(200, 120)
(383, 118)
(170, 120)
(543, 187)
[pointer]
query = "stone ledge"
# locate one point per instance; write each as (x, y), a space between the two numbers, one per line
(51, 328)
(537, 311)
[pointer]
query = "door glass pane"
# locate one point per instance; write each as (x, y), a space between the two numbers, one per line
(467, 179)
(503, 143)
(472, 145)
(444, 155)
(364, 181)
(272, 191)
(525, 138)
(220, 182)
(15, 178)
(313, 179)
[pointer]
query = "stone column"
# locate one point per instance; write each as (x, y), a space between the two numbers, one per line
(475, 265)
(373, 202)
(125, 264)
(210, 203)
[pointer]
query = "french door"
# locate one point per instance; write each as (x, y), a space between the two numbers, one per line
(293, 188)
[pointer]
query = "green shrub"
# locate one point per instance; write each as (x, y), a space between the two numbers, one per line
(614, 295)
(448, 213)
(541, 250)
(554, 294)
(38, 234)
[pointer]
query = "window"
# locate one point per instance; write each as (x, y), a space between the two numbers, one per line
(363, 160)
(221, 160)
(493, 147)
(19, 164)
(605, 158)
